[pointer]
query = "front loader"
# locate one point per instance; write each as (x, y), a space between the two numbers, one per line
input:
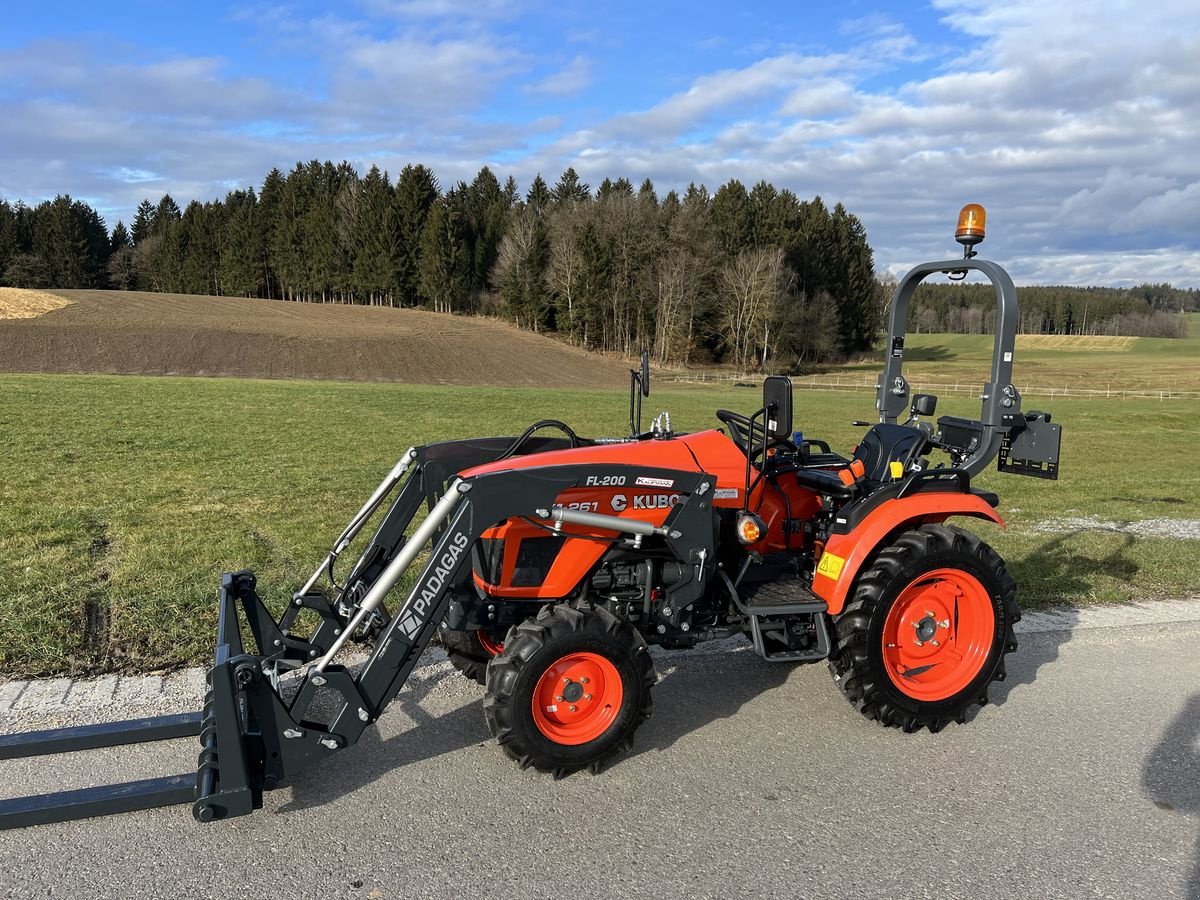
(550, 563)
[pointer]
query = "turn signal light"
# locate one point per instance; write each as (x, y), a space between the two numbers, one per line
(750, 529)
(972, 223)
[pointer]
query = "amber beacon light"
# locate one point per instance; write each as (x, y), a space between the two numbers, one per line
(972, 221)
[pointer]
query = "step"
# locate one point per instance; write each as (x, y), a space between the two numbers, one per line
(765, 649)
(782, 597)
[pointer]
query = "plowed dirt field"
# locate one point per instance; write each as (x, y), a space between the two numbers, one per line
(116, 332)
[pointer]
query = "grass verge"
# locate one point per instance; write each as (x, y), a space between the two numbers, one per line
(122, 499)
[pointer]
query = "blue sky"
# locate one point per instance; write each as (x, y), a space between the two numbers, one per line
(1077, 127)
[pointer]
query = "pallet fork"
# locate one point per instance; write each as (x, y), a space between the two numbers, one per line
(254, 732)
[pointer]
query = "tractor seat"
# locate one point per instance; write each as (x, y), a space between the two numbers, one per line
(884, 444)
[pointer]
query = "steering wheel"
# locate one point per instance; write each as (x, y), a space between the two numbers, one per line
(741, 432)
(747, 435)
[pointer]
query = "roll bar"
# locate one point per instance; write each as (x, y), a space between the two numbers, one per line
(1001, 401)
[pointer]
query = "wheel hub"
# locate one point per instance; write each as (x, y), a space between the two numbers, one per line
(577, 698)
(926, 628)
(938, 633)
(572, 692)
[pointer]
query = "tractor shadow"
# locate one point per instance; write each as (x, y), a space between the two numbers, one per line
(1169, 776)
(689, 694)
(692, 693)
(373, 757)
(1054, 570)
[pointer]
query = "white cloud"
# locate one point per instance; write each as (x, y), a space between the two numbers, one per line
(1077, 128)
(567, 81)
(710, 94)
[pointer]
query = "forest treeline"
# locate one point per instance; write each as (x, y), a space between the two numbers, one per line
(753, 277)
(737, 275)
(1148, 310)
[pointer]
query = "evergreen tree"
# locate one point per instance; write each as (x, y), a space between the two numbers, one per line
(270, 199)
(733, 217)
(241, 270)
(764, 230)
(539, 197)
(813, 249)
(595, 277)
(165, 214)
(570, 189)
(27, 270)
(854, 288)
(616, 271)
(72, 242)
(447, 268)
(416, 192)
(512, 194)
(372, 238)
(120, 239)
(201, 230)
(143, 221)
(287, 245)
(487, 210)
(646, 193)
(9, 241)
(327, 258)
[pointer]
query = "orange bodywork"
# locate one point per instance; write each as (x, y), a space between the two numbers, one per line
(578, 549)
(845, 554)
(708, 451)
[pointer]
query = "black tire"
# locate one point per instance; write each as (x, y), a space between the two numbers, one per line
(558, 632)
(467, 653)
(857, 661)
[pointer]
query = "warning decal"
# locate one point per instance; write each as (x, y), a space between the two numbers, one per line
(831, 565)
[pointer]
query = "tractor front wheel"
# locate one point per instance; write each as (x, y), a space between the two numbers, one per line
(569, 689)
(926, 629)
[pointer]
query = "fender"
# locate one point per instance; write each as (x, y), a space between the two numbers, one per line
(845, 554)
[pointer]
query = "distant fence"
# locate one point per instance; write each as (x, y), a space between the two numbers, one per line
(857, 384)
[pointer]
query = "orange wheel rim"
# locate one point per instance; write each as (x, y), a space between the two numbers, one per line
(577, 698)
(490, 646)
(938, 634)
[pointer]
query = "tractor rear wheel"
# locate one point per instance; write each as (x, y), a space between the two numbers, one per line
(926, 629)
(569, 689)
(470, 651)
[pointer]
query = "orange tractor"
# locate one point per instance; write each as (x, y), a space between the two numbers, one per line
(552, 562)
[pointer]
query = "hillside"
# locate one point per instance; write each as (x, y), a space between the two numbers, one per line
(114, 332)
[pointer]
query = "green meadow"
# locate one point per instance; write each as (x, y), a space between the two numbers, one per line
(123, 499)
(1044, 363)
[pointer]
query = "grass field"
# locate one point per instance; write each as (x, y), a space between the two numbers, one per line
(1052, 362)
(122, 499)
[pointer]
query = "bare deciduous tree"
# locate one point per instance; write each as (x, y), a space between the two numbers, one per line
(676, 287)
(752, 285)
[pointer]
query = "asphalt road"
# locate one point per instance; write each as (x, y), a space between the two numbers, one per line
(751, 780)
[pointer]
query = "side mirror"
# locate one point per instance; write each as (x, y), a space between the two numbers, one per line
(777, 402)
(923, 404)
(645, 373)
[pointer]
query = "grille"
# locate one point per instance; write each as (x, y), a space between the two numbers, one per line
(535, 556)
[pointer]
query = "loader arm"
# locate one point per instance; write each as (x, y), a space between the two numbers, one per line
(279, 737)
(260, 726)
